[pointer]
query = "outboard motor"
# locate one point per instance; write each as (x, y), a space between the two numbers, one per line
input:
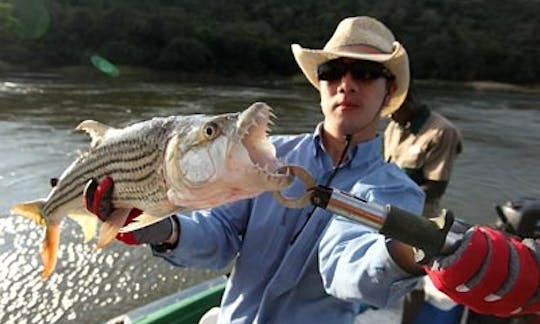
(520, 217)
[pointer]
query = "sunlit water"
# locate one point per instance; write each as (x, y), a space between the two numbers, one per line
(37, 117)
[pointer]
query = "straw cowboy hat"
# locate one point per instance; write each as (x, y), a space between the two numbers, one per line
(360, 31)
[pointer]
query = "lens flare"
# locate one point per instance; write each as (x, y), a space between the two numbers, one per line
(32, 19)
(104, 66)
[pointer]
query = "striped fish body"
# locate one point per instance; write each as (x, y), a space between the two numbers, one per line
(161, 166)
(134, 158)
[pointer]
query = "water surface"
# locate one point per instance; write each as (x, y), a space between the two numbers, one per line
(38, 114)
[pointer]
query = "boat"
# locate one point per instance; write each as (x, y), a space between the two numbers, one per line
(186, 306)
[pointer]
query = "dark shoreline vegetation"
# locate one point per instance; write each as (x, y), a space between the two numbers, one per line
(129, 73)
(460, 42)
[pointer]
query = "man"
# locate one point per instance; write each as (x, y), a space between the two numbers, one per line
(307, 265)
(424, 144)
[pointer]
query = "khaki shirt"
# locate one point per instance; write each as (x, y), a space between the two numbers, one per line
(432, 149)
(426, 150)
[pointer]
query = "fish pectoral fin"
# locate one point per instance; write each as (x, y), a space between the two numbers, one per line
(95, 129)
(110, 228)
(30, 209)
(87, 221)
(141, 221)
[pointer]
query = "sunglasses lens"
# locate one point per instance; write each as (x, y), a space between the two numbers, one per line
(331, 71)
(365, 73)
(360, 70)
(365, 70)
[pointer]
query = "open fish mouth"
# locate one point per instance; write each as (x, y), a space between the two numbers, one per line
(252, 128)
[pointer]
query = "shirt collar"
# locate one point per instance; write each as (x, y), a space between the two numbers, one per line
(364, 152)
(318, 147)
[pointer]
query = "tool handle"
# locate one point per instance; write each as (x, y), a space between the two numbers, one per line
(428, 235)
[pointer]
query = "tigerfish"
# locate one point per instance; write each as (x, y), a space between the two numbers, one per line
(161, 166)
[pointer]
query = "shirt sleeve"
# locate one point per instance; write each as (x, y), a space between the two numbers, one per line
(440, 159)
(354, 261)
(209, 238)
(355, 265)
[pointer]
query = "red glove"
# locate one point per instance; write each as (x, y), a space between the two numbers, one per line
(491, 273)
(98, 200)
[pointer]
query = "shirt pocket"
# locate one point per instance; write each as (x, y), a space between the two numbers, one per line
(412, 158)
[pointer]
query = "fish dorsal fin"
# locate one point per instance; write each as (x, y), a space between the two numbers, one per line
(87, 221)
(95, 129)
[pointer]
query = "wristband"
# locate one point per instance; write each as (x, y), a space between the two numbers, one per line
(167, 246)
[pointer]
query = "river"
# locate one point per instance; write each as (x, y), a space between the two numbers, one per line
(38, 113)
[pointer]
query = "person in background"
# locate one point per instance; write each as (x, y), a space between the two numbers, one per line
(424, 144)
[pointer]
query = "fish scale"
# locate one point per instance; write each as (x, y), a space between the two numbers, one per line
(127, 175)
(108, 156)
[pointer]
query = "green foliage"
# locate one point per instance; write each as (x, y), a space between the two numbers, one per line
(446, 39)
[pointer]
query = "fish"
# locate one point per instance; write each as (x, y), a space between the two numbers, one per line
(161, 166)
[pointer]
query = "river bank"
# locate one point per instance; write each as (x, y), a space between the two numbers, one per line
(90, 73)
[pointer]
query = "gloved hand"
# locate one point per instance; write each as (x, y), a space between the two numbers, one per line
(491, 273)
(97, 199)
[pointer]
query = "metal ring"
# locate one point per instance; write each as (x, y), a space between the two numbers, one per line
(305, 176)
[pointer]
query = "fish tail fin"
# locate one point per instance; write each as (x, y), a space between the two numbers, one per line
(30, 209)
(49, 249)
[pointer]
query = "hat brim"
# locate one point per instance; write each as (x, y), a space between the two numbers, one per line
(397, 62)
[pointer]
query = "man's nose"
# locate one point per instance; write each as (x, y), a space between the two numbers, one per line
(347, 83)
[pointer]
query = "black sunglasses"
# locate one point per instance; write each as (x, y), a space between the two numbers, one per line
(360, 70)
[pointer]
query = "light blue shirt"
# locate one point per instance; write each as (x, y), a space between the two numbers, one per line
(333, 269)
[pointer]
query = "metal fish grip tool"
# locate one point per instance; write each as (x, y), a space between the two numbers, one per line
(430, 237)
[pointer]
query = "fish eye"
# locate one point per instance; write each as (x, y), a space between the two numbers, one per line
(210, 130)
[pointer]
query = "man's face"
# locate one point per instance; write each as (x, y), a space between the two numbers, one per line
(351, 105)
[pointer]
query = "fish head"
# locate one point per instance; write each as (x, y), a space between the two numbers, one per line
(223, 158)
